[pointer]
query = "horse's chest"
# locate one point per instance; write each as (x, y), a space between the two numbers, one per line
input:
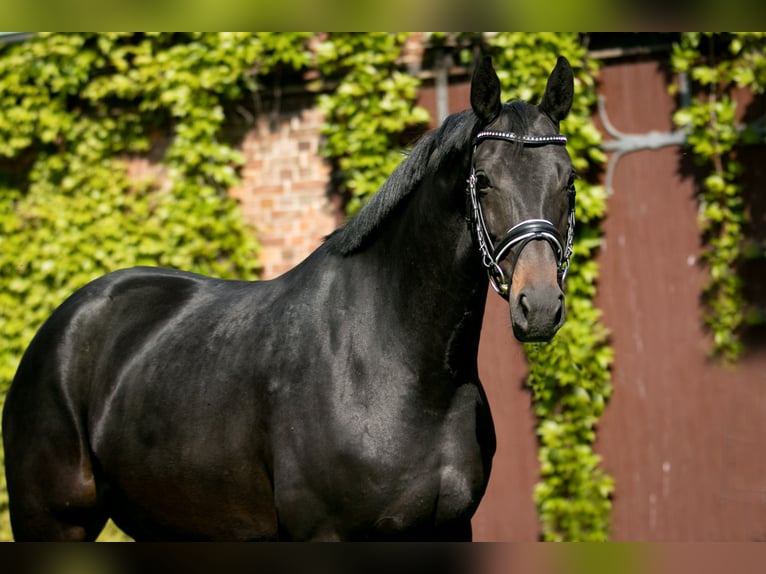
(384, 478)
(466, 448)
(444, 470)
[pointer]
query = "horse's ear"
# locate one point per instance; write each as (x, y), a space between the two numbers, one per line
(559, 91)
(485, 91)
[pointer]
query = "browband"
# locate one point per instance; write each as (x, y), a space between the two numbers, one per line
(524, 139)
(524, 232)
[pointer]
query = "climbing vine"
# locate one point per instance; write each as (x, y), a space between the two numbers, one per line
(368, 111)
(717, 64)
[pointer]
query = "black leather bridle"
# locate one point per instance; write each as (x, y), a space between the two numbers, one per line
(522, 233)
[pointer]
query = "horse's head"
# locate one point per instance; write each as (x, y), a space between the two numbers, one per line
(522, 195)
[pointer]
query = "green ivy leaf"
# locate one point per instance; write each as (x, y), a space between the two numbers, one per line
(713, 136)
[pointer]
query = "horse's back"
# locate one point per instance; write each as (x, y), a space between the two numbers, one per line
(118, 379)
(50, 476)
(109, 317)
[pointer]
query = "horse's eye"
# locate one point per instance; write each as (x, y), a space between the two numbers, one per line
(482, 181)
(571, 182)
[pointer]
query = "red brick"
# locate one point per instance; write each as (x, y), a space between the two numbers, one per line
(267, 190)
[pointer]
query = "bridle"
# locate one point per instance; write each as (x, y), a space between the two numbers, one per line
(522, 233)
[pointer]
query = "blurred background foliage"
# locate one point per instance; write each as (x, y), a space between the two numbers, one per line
(718, 64)
(367, 112)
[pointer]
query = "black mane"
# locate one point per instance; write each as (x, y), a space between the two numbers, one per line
(428, 155)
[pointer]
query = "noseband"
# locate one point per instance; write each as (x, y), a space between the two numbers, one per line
(522, 233)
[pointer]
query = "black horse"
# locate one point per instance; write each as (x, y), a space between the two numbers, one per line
(340, 401)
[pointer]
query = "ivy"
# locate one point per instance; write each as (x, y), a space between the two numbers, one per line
(368, 111)
(717, 64)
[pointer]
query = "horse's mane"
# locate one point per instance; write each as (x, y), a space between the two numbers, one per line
(428, 155)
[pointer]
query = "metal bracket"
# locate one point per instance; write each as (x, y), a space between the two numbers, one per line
(626, 143)
(623, 143)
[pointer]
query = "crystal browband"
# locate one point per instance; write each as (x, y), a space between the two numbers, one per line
(525, 139)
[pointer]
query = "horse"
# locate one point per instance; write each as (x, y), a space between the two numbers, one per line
(339, 401)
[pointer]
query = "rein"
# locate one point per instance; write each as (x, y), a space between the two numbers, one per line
(521, 233)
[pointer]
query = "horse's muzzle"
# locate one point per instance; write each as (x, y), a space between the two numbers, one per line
(537, 312)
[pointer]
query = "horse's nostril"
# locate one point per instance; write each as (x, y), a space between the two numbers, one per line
(560, 311)
(524, 305)
(537, 313)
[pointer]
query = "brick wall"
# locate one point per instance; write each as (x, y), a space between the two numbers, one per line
(284, 188)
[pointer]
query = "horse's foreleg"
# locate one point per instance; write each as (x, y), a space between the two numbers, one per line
(52, 496)
(52, 488)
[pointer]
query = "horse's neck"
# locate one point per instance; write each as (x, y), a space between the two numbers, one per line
(430, 268)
